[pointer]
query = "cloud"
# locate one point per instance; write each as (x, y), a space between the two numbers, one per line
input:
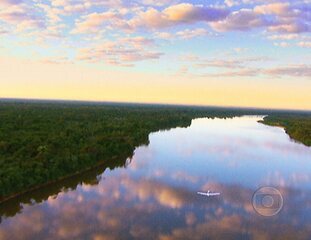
(123, 52)
(241, 69)
(286, 71)
(79, 6)
(165, 195)
(242, 20)
(291, 71)
(239, 73)
(184, 34)
(291, 18)
(284, 37)
(221, 63)
(240, 50)
(92, 22)
(192, 33)
(21, 17)
(138, 25)
(275, 17)
(273, 8)
(10, 2)
(231, 3)
(237, 63)
(3, 31)
(281, 44)
(164, 35)
(53, 14)
(184, 13)
(158, 2)
(294, 27)
(59, 3)
(291, 39)
(304, 44)
(138, 42)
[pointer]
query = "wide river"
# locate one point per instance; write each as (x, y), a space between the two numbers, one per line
(154, 195)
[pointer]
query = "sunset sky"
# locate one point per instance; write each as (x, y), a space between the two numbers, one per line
(254, 53)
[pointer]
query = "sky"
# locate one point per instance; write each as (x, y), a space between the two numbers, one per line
(245, 53)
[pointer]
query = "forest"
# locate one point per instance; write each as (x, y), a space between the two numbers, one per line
(41, 142)
(297, 126)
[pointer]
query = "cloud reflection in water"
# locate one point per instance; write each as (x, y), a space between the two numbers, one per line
(155, 196)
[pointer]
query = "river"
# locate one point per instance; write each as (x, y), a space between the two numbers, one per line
(153, 194)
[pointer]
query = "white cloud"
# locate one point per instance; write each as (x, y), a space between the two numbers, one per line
(281, 44)
(192, 33)
(231, 3)
(164, 35)
(184, 34)
(60, 3)
(284, 37)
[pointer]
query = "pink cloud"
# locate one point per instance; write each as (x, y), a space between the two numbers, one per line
(291, 71)
(184, 13)
(123, 52)
(241, 20)
(273, 8)
(93, 21)
(304, 44)
(291, 27)
(21, 17)
(10, 2)
(275, 17)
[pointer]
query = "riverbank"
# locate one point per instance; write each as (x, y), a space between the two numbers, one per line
(298, 127)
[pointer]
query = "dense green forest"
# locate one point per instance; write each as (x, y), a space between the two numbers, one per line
(41, 142)
(297, 126)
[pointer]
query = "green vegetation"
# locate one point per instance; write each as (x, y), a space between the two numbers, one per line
(41, 142)
(297, 126)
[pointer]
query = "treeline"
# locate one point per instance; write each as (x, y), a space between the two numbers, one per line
(43, 141)
(297, 126)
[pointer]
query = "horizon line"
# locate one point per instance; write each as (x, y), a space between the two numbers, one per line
(151, 103)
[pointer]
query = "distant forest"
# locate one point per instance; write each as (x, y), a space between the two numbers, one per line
(41, 142)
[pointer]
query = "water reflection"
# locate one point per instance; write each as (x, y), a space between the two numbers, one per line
(155, 196)
(91, 177)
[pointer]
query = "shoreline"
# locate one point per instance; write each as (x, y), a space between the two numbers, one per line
(271, 123)
(37, 187)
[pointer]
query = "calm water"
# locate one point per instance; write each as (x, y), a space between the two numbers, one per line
(154, 195)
